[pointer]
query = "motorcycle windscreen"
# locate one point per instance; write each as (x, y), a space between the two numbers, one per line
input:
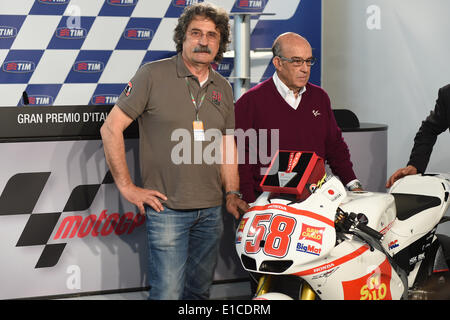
(276, 238)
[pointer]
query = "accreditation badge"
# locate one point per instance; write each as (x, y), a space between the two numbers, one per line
(199, 132)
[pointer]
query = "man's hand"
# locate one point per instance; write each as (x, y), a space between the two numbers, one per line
(400, 173)
(139, 197)
(236, 206)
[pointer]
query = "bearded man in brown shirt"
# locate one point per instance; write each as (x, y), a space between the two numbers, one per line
(182, 193)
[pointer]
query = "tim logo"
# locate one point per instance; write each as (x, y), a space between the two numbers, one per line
(40, 100)
(54, 1)
(224, 68)
(184, 3)
(7, 32)
(138, 34)
(250, 4)
(19, 66)
(104, 99)
(122, 2)
(71, 33)
(88, 66)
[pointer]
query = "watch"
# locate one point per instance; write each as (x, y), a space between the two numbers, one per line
(355, 185)
(234, 192)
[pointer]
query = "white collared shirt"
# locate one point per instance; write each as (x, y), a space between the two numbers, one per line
(287, 94)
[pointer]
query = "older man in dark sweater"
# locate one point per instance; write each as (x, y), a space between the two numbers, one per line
(300, 111)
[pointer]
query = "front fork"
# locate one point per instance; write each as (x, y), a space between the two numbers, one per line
(306, 293)
(263, 284)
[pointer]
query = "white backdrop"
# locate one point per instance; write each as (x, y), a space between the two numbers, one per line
(385, 60)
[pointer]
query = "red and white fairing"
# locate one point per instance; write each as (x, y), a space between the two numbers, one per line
(278, 237)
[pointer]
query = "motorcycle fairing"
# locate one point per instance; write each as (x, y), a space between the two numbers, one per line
(353, 271)
(275, 233)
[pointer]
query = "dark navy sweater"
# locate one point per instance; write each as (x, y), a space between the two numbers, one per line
(311, 127)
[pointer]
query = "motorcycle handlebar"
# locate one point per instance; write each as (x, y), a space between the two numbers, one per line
(371, 232)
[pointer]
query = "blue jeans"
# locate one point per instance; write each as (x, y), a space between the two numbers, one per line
(183, 250)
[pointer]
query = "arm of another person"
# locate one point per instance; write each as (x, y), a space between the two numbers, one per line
(436, 123)
(114, 147)
(230, 177)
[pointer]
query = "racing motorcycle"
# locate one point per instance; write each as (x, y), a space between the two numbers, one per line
(323, 242)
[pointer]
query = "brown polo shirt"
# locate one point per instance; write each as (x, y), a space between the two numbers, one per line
(159, 97)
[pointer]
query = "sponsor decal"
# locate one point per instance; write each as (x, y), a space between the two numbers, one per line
(277, 206)
(19, 66)
(88, 66)
(71, 33)
(325, 274)
(393, 244)
(128, 89)
(375, 285)
(185, 3)
(122, 2)
(225, 67)
(54, 1)
(312, 187)
(250, 4)
(311, 249)
(312, 233)
(104, 99)
(138, 34)
(324, 268)
(241, 230)
(94, 226)
(332, 194)
(7, 32)
(40, 100)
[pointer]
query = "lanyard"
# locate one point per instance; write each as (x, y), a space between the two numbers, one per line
(193, 100)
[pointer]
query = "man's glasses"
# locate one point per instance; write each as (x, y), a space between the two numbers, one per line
(298, 62)
(210, 35)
